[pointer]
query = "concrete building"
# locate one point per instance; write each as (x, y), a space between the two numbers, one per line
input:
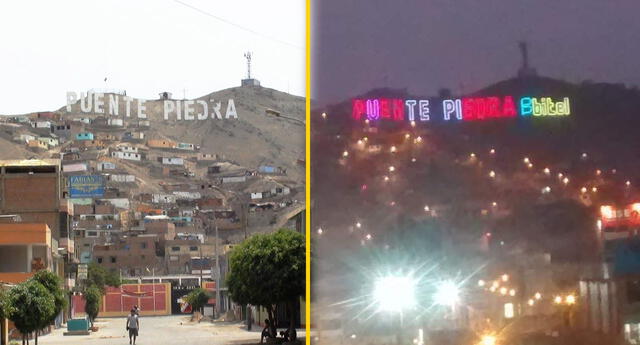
(135, 254)
(62, 130)
(171, 160)
(32, 190)
(122, 178)
(160, 226)
(84, 136)
(127, 155)
(179, 255)
(115, 122)
(105, 166)
(37, 144)
(163, 198)
(75, 167)
(26, 248)
(25, 138)
(206, 157)
(41, 124)
(187, 146)
(161, 144)
(49, 141)
(131, 136)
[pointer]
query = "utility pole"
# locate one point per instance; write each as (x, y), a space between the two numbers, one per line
(201, 264)
(217, 277)
(245, 220)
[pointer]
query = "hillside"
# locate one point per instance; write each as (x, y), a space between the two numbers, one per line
(481, 177)
(253, 139)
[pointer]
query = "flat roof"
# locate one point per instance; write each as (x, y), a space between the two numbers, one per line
(29, 162)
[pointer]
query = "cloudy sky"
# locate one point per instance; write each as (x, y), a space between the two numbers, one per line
(145, 47)
(466, 44)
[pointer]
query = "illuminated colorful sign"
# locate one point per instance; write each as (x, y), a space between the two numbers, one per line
(465, 109)
(620, 218)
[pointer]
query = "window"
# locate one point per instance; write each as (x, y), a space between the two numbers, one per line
(143, 245)
(175, 249)
(113, 259)
(99, 259)
(193, 248)
(142, 257)
(92, 234)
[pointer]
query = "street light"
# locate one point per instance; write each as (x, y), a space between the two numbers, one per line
(447, 294)
(395, 293)
(488, 339)
(570, 299)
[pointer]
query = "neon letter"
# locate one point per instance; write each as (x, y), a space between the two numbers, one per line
(508, 107)
(526, 108)
(448, 106)
(424, 110)
(410, 103)
(357, 109)
(373, 109)
(398, 109)
(468, 113)
(384, 108)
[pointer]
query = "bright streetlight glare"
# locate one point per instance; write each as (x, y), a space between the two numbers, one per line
(571, 299)
(488, 340)
(447, 294)
(395, 293)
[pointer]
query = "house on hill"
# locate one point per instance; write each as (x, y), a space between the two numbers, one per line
(37, 144)
(64, 130)
(41, 124)
(171, 160)
(133, 136)
(161, 144)
(187, 146)
(100, 166)
(84, 136)
(132, 156)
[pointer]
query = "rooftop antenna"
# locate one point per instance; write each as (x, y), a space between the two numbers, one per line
(525, 54)
(525, 71)
(247, 56)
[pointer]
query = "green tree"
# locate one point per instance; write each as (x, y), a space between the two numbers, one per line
(33, 307)
(5, 305)
(99, 277)
(93, 299)
(53, 284)
(198, 298)
(268, 269)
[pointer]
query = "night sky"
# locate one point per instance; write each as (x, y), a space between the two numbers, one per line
(464, 45)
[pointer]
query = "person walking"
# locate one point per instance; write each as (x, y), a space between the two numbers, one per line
(132, 326)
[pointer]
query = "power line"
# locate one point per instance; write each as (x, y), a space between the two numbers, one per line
(238, 26)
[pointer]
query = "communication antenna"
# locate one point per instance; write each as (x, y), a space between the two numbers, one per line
(525, 54)
(247, 56)
(525, 70)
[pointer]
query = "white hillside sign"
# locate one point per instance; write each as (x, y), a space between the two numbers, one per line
(187, 110)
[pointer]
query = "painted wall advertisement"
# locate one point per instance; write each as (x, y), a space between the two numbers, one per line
(86, 186)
